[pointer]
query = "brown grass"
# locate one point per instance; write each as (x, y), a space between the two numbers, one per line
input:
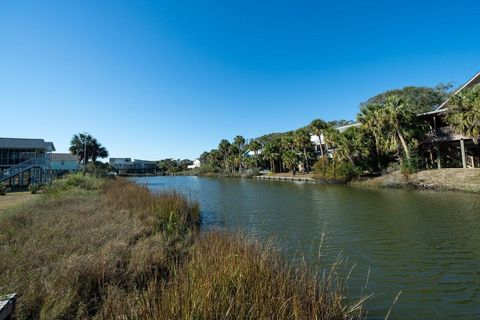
(12, 199)
(113, 250)
(228, 277)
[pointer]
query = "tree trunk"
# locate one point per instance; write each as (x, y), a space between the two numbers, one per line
(377, 152)
(351, 160)
(404, 144)
(307, 167)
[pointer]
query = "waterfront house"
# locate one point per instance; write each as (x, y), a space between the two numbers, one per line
(64, 162)
(442, 146)
(25, 161)
(137, 166)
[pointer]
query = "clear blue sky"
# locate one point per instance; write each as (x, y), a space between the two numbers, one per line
(157, 79)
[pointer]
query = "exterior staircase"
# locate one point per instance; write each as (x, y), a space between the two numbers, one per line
(21, 167)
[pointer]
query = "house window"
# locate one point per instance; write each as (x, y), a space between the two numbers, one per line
(62, 163)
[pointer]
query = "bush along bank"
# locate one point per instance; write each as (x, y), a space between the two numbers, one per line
(110, 249)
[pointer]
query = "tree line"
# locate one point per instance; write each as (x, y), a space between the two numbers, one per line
(387, 131)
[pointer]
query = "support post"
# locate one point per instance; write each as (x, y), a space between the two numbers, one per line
(462, 150)
(439, 162)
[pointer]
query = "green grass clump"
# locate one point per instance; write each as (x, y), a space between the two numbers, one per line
(333, 171)
(74, 181)
(3, 189)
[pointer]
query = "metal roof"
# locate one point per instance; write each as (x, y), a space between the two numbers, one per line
(473, 81)
(21, 143)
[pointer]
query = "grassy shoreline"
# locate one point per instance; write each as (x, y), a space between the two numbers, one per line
(95, 249)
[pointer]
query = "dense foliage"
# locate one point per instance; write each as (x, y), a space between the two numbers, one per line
(417, 99)
(464, 112)
(171, 166)
(387, 131)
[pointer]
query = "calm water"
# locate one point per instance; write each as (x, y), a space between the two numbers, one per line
(425, 244)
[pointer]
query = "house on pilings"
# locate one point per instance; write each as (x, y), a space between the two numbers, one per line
(442, 146)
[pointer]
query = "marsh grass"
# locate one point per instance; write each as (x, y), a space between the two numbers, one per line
(92, 249)
(230, 277)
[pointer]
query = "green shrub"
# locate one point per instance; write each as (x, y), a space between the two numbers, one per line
(34, 188)
(3, 189)
(409, 166)
(344, 171)
(333, 170)
(205, 169)
(74, 181)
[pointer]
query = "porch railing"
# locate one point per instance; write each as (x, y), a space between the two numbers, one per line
(21, 167)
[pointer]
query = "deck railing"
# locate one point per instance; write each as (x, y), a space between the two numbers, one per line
(21, 167)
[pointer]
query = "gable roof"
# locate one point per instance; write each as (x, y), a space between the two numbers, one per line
(473, 81)
(63, 157)
(20, 143)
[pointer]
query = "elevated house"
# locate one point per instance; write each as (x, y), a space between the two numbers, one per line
(442, 146)
(25, 161)
(127, 166)
(64, 162)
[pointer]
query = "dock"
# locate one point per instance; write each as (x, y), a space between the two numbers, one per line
(283, 178)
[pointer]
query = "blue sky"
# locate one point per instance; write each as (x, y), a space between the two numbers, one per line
(158, 79)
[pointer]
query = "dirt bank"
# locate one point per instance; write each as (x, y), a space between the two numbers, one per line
(439, 179)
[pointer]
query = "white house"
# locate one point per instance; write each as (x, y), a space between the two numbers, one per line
(319, 142)
(196, 164)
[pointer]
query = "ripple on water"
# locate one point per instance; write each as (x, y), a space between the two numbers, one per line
(425, 244)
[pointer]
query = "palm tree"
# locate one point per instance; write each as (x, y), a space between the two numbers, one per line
(318, 126)
(96, 151)
(349, 144)
(397, 119)
(224, 147)
(239, 141)
(270, 153)
(370, 118)
(79, 146)
(301, 140)
(290, 160)
(234, 157)
(464, 112)
(255, 146)
(87, 147)
(390, 123)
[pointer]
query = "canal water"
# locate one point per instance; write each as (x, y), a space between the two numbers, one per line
(425, 245)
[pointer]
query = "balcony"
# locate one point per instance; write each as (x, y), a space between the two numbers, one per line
(443, 134)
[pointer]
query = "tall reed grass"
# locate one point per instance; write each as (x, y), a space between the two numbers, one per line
(113, 250)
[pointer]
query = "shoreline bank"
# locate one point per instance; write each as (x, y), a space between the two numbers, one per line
(449, 179)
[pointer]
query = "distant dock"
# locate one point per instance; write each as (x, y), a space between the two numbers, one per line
(285, 178)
